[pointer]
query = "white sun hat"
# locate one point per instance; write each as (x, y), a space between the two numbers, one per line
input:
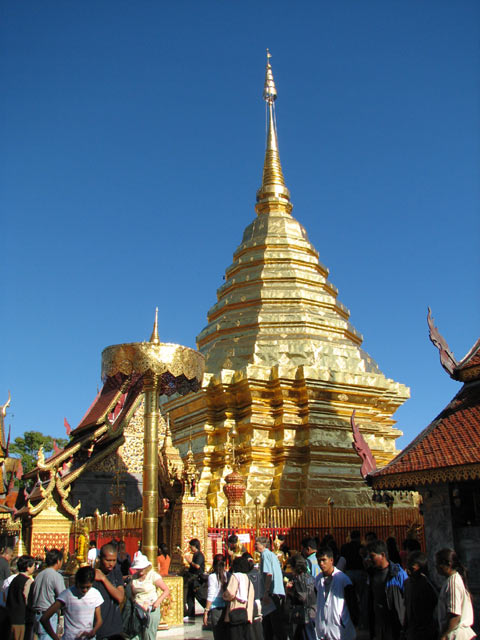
(140, 562)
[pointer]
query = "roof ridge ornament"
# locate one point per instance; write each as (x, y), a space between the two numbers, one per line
(447, 359)
(273, 195)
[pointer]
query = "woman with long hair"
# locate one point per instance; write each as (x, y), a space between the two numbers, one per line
(455, 611)
(163, 559)
(215, 607)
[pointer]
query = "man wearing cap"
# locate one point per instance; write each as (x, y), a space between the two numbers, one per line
(109, 581)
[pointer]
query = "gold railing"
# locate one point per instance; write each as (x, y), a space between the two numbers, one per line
(327, 518)
(122, 521)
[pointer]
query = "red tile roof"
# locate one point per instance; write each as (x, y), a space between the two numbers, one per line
(470, 362)
(452, 439)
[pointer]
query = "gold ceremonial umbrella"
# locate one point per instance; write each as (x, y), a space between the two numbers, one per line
(166, 369)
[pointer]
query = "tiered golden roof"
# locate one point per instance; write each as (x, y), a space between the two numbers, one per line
(284, 367)
(277, 306)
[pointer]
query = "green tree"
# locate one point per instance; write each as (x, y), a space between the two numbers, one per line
(27, 446)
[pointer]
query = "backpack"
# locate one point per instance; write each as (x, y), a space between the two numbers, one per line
(304, 599)
(134, 618)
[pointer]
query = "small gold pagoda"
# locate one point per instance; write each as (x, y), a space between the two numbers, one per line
(285, 369)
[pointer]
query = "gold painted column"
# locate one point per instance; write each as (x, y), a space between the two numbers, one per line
(150, 469)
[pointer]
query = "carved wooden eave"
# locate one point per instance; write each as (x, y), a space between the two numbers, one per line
(468, 368)
(414, 480)
(448, 449)
(99, 434)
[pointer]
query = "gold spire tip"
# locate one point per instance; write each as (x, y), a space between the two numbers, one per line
(154, 337)
(269, 90)
(273, 195)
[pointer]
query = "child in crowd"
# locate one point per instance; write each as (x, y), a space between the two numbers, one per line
(81, 608)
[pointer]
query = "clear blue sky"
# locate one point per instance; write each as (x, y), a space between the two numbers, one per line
(132, 138)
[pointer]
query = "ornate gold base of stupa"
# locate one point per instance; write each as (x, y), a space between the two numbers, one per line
(294, 443)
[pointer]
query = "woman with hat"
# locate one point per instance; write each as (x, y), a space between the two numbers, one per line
(149, 591)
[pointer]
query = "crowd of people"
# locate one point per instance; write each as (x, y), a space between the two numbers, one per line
(320, 593)
(112, 598)
(323, 593)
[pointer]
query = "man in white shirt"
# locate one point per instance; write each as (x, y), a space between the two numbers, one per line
(337, 610)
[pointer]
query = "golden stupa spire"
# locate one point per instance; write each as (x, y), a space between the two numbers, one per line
(154, 337)
(273, 195)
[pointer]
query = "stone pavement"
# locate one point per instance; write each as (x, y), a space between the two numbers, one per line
(195, 632)
(188, 631)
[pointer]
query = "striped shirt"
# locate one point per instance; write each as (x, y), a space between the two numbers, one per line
(454, 599)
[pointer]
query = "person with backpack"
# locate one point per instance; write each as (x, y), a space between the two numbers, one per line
(303, 597)
(239, 594)
(149, 591)
(337, 609)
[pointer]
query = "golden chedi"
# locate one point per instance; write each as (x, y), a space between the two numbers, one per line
(284, 368)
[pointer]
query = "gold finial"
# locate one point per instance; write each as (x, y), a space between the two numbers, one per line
(154, 337)
(273, 195)
(3, 414)
(269, 90)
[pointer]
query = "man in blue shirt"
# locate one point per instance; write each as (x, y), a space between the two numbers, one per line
(309, 552)
(273, 592)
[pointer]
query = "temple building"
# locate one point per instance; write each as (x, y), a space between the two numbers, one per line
(443, 464)
(284, 370)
